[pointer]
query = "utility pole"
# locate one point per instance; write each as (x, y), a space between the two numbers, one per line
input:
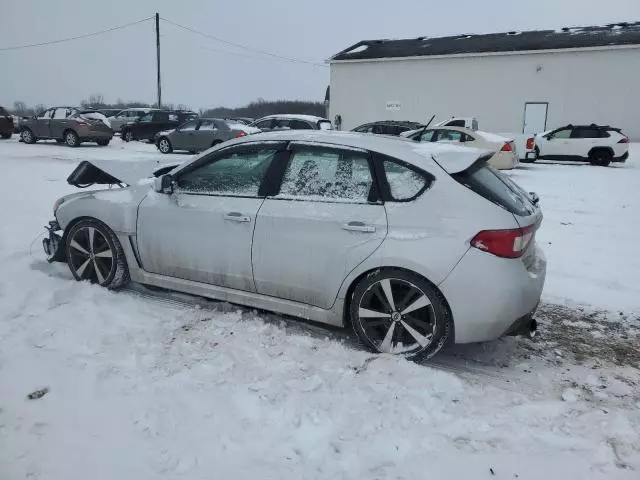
(158, 58)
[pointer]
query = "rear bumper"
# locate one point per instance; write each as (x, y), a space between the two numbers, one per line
(489, 295)
(622, 158)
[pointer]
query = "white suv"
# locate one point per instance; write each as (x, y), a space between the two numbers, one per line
(599, 145)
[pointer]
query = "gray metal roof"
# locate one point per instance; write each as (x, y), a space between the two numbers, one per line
(565, 38)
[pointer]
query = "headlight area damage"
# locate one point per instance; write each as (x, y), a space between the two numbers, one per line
(102, 173)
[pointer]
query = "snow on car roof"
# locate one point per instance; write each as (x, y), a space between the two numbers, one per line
(492, 137)
(293, 116)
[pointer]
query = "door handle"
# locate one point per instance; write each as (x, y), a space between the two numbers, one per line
(236, 217)
(359, 227)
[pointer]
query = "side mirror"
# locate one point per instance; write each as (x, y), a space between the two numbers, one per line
(163, 184)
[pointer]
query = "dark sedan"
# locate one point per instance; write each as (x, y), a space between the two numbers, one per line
(146, 127)
(6, 124)
(199, 134)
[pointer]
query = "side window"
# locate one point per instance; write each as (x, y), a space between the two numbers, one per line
(404, 182)
(282, 124)
(189, 126)
(60, 113)
(236, 174)
(208, 125)
(449, 136)
(137, 114)
(467, 138)
(327, 174)
(378, 129)
(264, 123)
(300, 125)
(160, 117)
(585, 133)
(363, 129)
(562, 134)
(47, 114)
(147, 118)
(426, 136)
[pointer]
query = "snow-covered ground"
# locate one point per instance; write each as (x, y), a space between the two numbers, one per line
(150, 385)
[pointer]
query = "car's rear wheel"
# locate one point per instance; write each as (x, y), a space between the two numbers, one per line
(600, 157)
(71, 138)
(103, 143)
(94, 253)
(398, 312)
(127, 136)
(164, 145)
(28, 136)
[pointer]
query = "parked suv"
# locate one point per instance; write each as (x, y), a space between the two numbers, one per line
(156, 121)
(128, 115)
(597, 144)
(387, 127)
(68, 125)
(292, 122)
(6, 124)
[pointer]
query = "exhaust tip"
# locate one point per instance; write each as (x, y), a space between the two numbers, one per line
(533, 328)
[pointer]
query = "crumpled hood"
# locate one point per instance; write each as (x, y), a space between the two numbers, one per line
(111, 172)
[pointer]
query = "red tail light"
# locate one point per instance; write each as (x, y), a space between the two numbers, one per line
(240, 133)
(506, 148)
(504, 243)
(531, 143)
(624, 140)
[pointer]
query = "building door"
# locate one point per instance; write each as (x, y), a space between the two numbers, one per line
(535, 117)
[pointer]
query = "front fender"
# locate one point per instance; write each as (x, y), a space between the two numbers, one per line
(117, 208)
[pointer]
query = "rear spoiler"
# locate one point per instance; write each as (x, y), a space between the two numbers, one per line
(111, 172)
(455, 162)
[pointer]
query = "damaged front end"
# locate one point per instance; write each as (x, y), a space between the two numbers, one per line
(53, 244)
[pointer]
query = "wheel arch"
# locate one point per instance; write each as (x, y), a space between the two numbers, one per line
(346, 318)
(594, 150)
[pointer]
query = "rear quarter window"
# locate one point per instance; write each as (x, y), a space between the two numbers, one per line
(495, 187)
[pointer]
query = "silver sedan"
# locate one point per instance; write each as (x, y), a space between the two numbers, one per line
(413, 245)
(200, 134)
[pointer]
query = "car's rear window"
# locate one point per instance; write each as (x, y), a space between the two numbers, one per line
(496, 187)
(325, 125)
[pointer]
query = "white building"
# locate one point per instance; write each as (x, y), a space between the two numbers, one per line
(511, 82)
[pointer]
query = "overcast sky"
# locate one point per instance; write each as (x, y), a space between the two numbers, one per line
(121, 64)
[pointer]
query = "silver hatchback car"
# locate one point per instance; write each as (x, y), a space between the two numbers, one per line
(413, 245)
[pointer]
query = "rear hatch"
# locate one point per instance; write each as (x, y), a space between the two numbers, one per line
(499, 189)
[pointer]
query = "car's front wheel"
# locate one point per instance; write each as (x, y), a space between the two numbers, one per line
(28, 136)
(127, 136)
(71, 138)
(398, 312)
(103, 143)
(164, 145)
(94, 253)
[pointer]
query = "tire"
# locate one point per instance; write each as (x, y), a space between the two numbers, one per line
(127, 136)
(601, 158)
(537, 150)
(28, 136)
(164, 145)
(71, 138)
(382, 327)
(103, 143)
(94, 253)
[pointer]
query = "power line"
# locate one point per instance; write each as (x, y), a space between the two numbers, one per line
(79, 37)
(243, 47)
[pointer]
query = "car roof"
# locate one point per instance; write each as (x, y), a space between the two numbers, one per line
(294, 116)
(394, 122)
(419, 154)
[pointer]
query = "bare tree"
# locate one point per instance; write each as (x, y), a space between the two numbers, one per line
(19, 108)
(39, 108)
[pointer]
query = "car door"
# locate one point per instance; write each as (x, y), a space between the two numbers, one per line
(207, 133)
(323, 222)
(583, 139)
(41, 124)
(204, 229)
(59, 122)
(184, 137)
(557, 145)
